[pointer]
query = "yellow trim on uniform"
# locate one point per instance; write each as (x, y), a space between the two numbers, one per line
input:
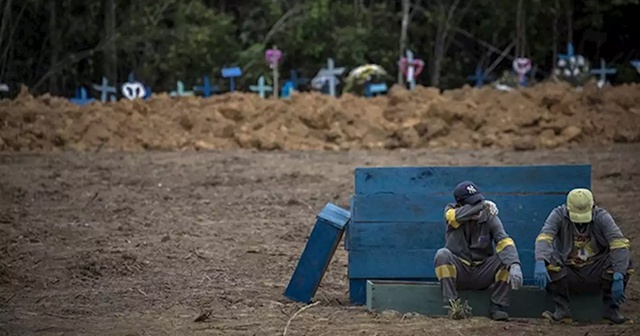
(553, 268)
(502, 275)
(468, 263)
(446, 271)
(501, 245)
(545, 237)
(450, 216)
(619, 243)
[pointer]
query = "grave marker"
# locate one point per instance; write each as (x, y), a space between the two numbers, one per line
(331, 72)
(287, 89)
(479, 77)
(570, 53)
(636, 64)
(180, 92)
(572, 68)
(292, 84)
(231, 73)
(293, 78)
(105, 89)
(81, 97)
(261, 88)
(522, 66)
(206, 87)
(411, 68)
(603, 72)
(133, 89)
(373, 89)
(273, 57)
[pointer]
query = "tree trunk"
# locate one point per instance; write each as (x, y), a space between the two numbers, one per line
(54, 43)
(554, 38)
(518, 50)
(438, 53)
(403, 36)
(111, 51)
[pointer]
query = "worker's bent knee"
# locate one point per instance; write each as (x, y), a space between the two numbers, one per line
(443, 256)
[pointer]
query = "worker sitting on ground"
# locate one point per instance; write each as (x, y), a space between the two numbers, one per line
(580, 248)
(469, 260)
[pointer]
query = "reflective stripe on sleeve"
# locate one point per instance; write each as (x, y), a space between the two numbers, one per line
(504, 243)
(450, 216)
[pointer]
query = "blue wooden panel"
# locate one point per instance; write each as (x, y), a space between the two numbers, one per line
(495, 179)
(400, 235)
(410, 264)
(347, 230)
(317, 254)
(423, 235)
(430, 208)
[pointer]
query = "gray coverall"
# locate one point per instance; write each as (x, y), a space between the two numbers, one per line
(469, 260)
(582, 257)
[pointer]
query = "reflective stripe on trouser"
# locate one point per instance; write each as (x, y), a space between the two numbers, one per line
(455, 275)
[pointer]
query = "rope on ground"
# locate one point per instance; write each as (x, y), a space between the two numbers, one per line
(296, 314)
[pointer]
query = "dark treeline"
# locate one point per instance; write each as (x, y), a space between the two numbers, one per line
(57, 45)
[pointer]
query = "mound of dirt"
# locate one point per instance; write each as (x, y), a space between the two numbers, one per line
(548, 115)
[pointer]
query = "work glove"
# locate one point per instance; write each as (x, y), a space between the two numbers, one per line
(491, 208)
(515, 276)
(617, 289)
(540, 274)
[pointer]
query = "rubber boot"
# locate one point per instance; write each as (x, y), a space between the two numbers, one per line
(498, 313)
(560, 293)
(611, 310)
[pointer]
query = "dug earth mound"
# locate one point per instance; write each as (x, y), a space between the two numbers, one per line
(547, 116)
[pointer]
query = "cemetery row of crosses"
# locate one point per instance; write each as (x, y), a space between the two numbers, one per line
(368, 79)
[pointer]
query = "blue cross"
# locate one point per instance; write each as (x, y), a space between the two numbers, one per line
(570, 52)
(206, 87)
(479, 77)
(374, 89)
(636, 64)
(132, 79)
(105, 89)
(293, 78)
(180, 92)
(81, 97)
(231, 73)
(603, 71)
(261, 88)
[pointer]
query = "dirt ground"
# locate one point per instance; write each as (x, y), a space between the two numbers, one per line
(98, 243)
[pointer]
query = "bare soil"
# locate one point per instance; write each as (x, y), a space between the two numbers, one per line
(545, 116)
(144, 243)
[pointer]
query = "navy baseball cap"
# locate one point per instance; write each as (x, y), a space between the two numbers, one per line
(467, 192)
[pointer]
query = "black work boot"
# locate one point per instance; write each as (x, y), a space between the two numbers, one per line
(560, 293)
(498, 313)
(611, 310)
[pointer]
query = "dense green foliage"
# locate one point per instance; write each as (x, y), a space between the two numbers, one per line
(57, 45)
